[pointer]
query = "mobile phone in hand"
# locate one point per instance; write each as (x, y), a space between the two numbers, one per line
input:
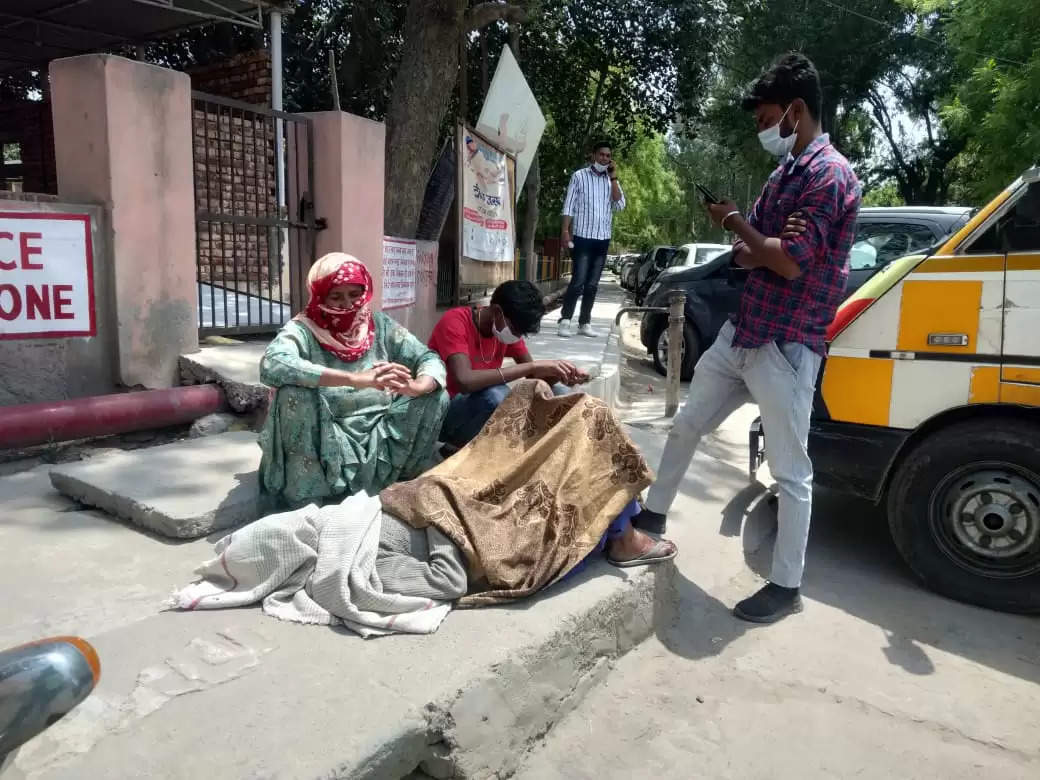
(709, 196)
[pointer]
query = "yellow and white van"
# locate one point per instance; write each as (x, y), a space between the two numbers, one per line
(929, 401)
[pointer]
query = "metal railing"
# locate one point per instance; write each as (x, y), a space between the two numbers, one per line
(254, 224)
(676, 318)
(547, 268)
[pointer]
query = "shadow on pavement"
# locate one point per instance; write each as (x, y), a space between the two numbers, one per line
(852, 565)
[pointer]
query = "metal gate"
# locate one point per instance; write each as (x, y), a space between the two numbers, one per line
(254, 217)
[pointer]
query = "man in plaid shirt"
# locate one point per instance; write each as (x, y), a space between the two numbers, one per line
(795, 243)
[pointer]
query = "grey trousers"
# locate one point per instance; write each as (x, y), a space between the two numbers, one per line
(781, 379)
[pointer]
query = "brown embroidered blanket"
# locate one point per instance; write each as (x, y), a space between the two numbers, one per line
(532, 495)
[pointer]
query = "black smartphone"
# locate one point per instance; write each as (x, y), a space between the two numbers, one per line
(709, 196)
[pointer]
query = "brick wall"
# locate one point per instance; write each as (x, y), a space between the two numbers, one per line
(245, 77)
(235, 175)
(28, 123)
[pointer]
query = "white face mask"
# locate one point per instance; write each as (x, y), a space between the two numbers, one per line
(600, 167)
(776, 144)
(505, 335)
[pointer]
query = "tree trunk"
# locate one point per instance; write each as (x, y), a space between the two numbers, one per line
(421, 93)
(433, 35)
(532, 186)
(484, 64)
(593, 112)
(463, 82)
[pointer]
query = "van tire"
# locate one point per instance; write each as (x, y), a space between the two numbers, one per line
(964, 513)
(691, 351)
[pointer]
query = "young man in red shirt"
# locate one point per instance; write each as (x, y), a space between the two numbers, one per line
(474, 341)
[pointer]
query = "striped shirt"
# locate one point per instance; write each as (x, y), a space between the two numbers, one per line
(589, 206)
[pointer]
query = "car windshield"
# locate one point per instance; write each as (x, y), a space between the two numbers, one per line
(707, 254)
(879, 243)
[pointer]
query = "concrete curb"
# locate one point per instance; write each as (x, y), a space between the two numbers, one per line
(486, 728)
(606, 384)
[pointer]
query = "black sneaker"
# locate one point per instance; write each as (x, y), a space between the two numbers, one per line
(650, 522)
(770, 604)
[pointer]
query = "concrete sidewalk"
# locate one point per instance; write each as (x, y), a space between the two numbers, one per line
(878, 678)
(238, 694)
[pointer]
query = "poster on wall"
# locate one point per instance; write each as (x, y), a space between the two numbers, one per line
(46, 276)
(399, 266)
(487, 201)
(426, 264)
(510, 117)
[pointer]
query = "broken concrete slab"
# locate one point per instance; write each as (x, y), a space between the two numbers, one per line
(235, 367)
(182, 490)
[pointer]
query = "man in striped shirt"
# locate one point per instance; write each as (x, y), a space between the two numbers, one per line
(592, 198)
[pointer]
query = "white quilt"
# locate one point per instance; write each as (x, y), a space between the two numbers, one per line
(311, 566)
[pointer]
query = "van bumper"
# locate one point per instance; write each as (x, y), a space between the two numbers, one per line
(848, 458)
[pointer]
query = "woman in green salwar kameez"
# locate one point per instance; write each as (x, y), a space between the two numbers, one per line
(359, 399)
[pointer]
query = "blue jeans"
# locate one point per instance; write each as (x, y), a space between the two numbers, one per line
(781, 379)
(618, 526)
(587, 260)
(469, 412)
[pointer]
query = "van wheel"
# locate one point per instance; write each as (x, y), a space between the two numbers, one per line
(690, 351)
(964, 511)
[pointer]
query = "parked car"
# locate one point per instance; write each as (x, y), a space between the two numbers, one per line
(653, 262)
(615, 262)
(627, 271)
(713, 290)
(686, 256)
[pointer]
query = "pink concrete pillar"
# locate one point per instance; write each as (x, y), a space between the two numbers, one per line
(349, 166)
(122, 138)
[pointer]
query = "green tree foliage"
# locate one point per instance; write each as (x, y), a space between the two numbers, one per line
(704, 160)
(656, 211)
(996, 100)
(918, 158)
(851, 54)
(883, 86)
(886, 194)
(613, 69)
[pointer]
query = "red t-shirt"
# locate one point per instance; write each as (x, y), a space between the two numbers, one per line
(456, 334)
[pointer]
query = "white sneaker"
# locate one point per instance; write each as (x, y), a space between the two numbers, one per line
(564, 331)
(586, 330)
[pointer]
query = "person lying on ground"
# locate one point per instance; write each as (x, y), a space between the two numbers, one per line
(359, 399)
(547, 486)
(547, 482)
(474, 342)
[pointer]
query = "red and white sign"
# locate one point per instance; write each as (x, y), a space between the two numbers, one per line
(399, 261)
(46, 276)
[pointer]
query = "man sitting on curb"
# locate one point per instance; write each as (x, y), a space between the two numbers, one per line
(474, 341)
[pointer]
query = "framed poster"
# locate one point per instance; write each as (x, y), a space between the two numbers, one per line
(486, 200)
(399, 266)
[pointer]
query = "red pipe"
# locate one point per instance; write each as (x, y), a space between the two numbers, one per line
(106, 415)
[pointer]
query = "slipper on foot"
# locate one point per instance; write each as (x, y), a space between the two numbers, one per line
(662, 551)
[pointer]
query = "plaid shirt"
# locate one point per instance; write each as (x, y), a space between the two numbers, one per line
(821, 184)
